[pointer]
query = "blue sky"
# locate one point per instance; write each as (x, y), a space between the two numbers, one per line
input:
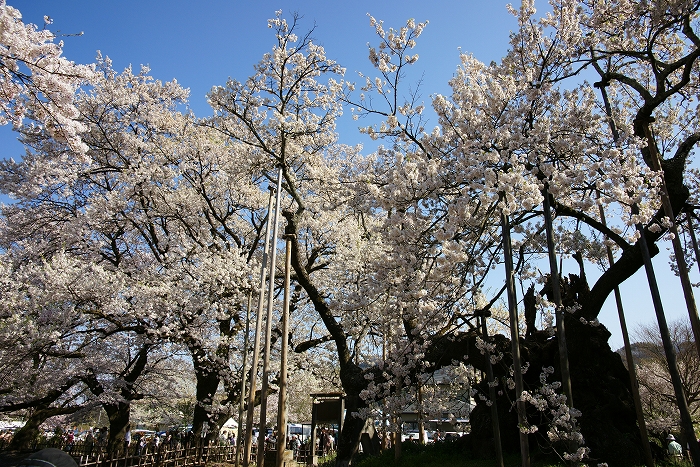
(203, 43)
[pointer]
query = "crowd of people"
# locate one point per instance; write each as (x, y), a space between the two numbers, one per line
(299, 445)
(135, 442)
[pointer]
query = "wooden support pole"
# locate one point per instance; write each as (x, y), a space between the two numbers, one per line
(268, 327)
(515, 340)
(248, 445)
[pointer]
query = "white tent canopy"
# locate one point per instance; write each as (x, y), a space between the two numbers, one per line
(230, 424)
(10, 424)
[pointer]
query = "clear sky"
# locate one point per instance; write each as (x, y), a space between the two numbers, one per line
(203, 43)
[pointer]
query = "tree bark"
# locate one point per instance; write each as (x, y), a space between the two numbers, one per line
(29, 433)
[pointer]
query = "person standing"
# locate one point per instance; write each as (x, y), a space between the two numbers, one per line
(127, 438)
(330, 442)
(675, 450)
(322, 442)
(102, 437)
(295, 444)
(69, 440)
(89, 443)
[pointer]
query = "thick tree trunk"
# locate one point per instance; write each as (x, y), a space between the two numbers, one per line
(207, 384)
(29, 433)
(608, 420)
(354, 382)
(39, 410)
(118, 415)
(351, 375)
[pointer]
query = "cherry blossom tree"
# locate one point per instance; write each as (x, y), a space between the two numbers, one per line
(41, 351)
(396, 255)
(158, 203)
(657, 390)
(285, 114)
(187, 208)
(80, 201)
(529, 127)
(62, 356)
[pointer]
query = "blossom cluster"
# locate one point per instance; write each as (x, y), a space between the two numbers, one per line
(36, 79)
(563, 432)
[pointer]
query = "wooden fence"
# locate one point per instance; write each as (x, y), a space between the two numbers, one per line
(194, 456)
(165, 455)
(88, 454)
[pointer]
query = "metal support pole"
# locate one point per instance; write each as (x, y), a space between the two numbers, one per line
(678, 251)
(646, 448)
(690, 213)
(686, 420)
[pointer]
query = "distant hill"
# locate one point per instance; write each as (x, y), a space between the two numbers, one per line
(640, 351)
